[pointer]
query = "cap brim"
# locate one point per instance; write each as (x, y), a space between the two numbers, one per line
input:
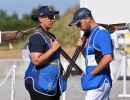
(56, 12)
(74, 22)
(52, 13)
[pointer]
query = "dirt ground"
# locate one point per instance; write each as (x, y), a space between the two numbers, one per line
(10, 54)
(16, 53)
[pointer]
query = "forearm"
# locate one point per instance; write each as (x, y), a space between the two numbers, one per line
(39, 59)
(102, 64)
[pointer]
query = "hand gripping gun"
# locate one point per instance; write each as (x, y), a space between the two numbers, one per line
(65, 55)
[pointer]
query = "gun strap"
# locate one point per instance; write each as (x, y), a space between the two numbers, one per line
(45, 34)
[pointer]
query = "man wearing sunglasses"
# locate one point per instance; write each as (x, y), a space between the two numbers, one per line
(98, 53)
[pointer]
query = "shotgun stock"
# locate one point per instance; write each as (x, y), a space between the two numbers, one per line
(115, 27)
(12, 35)
(8, 35)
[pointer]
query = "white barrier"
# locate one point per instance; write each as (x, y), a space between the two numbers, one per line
(13, 83)
(64, 96)
(124, 69)
(13, 72)
(12, 69)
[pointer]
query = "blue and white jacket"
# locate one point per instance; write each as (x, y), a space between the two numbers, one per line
(99, 44)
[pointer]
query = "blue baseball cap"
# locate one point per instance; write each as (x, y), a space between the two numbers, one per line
(46, 11)
(81, 13)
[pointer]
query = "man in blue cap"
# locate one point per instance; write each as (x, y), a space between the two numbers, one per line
(98, 53)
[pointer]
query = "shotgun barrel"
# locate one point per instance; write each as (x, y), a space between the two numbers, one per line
(65, 55)
(75, 55)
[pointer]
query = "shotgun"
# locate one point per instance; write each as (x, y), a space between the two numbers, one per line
(63, 53)
(116, 27)
(12, 35)
(75, 55)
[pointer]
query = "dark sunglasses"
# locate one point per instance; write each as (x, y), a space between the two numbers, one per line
(52, 17)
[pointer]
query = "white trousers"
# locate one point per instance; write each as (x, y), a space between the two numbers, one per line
(102, 93)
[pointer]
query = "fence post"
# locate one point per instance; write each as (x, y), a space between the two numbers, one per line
(125, 65)
(13, 83)
(63, 96)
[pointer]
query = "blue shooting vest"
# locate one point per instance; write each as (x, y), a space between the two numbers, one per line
(93, 55)
(47, 77)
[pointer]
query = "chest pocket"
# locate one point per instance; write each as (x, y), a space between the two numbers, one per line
(90, 53)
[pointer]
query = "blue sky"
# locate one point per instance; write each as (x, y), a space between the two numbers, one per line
(25, 6)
